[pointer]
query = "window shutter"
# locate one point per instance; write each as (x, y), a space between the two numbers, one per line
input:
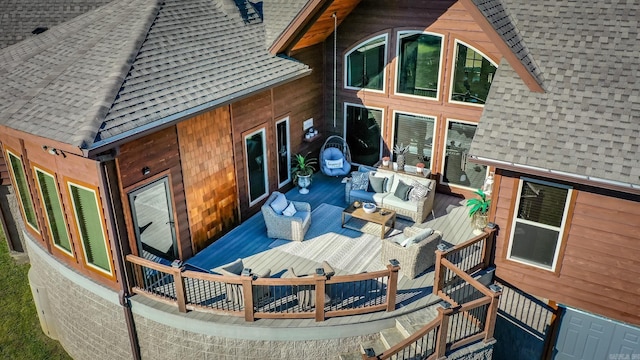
(87, 212)
(54, 212)
(23, 190)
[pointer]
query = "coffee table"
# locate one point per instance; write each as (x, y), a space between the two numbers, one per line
(375, 217)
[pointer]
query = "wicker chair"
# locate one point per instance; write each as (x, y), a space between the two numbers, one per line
(414, 258)
(286, 227)
(335, 148)
(306, 294)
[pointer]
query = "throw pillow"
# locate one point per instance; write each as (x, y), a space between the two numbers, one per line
(418, 192)
(377, 184)
(359, 180)
(279, 204)
(290, 210)
(334, 164)
(403, 190)
(424, 234)
(408, 241)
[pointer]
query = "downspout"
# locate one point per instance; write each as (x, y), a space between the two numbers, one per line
(335, 66)
(107, 172)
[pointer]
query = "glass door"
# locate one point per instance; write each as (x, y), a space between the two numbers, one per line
(284, 157)
(363, 131)
(255, 157)
(153, 220)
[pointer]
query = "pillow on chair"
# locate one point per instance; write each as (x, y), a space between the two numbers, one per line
(290, 210)
(334, 164)
(279, 204)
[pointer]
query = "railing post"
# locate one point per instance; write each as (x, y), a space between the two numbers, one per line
(320, 285)
(443, 332)
(392, 285)
(488, 248)
(438, 282)
(247, 292)
(492, 313)
(181, 295)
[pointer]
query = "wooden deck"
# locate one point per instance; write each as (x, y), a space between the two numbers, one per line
(249, 242)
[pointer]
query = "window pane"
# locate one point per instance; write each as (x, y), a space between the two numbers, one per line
(419, 64)
(472, 76)
(256, 165)
(365, 65)
(417, 132)
(20, 180)
(534, 244)
(364, 135)
(457, 169)
(53, 208)
(85, 206)
(541, 203)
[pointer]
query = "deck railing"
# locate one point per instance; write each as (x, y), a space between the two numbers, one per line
(469, 311)
(255, 298)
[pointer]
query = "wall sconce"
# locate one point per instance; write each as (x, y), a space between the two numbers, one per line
(51, 150)
(146, 170)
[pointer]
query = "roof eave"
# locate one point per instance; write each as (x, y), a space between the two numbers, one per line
(298, 26)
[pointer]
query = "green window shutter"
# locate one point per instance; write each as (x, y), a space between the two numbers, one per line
(85, 205)
(23, 190)
(53, 207)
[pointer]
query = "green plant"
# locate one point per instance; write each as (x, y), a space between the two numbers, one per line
(400, 149)
(479, 205)
(302, 166)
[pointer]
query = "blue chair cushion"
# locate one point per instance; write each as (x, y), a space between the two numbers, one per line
(335, 154)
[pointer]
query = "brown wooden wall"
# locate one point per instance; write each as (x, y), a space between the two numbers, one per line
(598, 269)
(68, 165)
(376, 17)
(208, 175)
(4, 172)
(160, 152)
(299, 100)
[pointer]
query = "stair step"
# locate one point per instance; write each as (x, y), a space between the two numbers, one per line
(391, 336)
(410, 323)
(376, 345)
(406, 327)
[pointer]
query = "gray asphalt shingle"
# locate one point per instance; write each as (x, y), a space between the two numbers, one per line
(588, 120)
(277, 16)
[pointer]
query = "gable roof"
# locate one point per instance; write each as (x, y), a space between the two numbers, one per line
(278, 14)
(19, 18)
(131, 66)
(586, 125)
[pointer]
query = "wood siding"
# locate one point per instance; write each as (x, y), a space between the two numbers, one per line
(598, 271)
(208, 175)
(299, 100)
(160, 152)
(371, 18)
(4, 171)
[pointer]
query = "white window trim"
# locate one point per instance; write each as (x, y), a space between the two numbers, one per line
(288, 134)
(17, 188)
(46, 211)
(382, 122)
(453, 70)
(560, 229)
(400, 35)
(435, 126)
(77, 223)
(444, 153)
(265, 162)
(384, 70)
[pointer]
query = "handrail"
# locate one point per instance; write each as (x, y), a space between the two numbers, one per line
(254, 298)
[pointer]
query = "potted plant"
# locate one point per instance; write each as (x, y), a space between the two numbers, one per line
(419, 167)
(302, 169)
(479, 211)
(385, 161)
(400, 150)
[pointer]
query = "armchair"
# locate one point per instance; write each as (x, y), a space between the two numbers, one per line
(417, 255)
(306, 294)
(280, 226)
(234, 292)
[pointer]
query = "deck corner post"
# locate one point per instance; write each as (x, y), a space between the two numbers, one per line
(392, 286)
(181, 295)
(438, 282)
(320, 285)
(443, 330)
(247, 292)
(487, 251)
(492, 314)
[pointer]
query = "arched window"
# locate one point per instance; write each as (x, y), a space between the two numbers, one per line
(472, 75)
(419, 63)
(364, 67)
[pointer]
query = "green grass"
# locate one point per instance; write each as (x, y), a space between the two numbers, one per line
(20, 334)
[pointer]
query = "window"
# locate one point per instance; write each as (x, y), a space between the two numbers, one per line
(255, 150)
(365, 65)
(20, 179)
(541, 211)
(418, 132)
(419, 56)
(53, 210)
(472, 75)
(90, 227)
(363, 131)
(457, 169)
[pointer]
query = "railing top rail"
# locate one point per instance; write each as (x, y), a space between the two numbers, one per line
(466, 277)
(358, 277)
(151, 264)
(468, 243)
(411, 339)
(231, 279)
(473, 304)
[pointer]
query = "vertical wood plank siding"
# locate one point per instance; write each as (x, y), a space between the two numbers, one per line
(599, 269)
(160, 152)
(208, 175)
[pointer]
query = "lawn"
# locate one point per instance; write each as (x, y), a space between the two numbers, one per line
(20, 334)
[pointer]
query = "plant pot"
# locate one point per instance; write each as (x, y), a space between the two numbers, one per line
(303, 182)
(385, 163)
(419, 170)
(479, 222)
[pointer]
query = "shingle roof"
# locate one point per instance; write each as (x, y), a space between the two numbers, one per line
(61, 83)
(18, 18)
(277, 16)
(588, 120)
(194, 54)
